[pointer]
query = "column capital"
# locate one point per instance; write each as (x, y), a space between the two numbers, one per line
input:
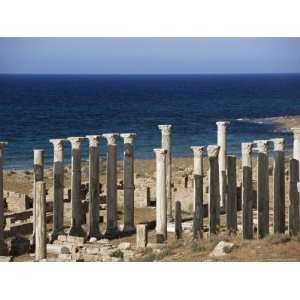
(165, 129)
(75, 141)
(2, 145)
(111, 138)
(198, 150)
(93, 140)
(213, 150)
(38, 156)
(128, 137)
(278, 144)
(262, 145)
(222, 123)
(247, 148)
(57, 142)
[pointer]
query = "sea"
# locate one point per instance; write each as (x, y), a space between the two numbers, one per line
(36, 108)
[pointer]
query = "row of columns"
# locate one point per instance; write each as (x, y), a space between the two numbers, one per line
(94, 193)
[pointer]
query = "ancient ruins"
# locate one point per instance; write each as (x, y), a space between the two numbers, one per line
(78, 222)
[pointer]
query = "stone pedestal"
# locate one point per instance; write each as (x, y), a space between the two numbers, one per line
(279, 186)
(161, 195)
(94, 193)
(247, 192)
(141, 236)
(222, 142)
(58, 187)
(262, 188)
(3, 248)
(111, 184)
(40, 232)
(213, 189)
(231, 203)
(128, 180)
(38, 175)
(76, 222)
(166, 144)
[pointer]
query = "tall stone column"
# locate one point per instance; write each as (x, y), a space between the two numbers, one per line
(161, 195)
(3, 249)
(76, 222)
(128, 180)
(247, 191)
(111, 195)
(94, 193)
(262, 188)
(40, 234)
(166, 144)
(38, 175)
(279, 186)
(198, 192)
(214, 192)
(231, 203)
(58, 187)
(222, 142)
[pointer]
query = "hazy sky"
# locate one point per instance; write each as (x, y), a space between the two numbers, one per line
(149, 55)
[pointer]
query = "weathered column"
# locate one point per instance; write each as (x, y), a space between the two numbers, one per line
(262, 188)
(3, 247)
(222, 142)
(58, 187)
(40, 232)
(128, 180)
(167, 145)
(94, 193)
(198, 191)
(296, 143)
(214, 192)
(111, 183)
(161, 195)
(231, 203)
(247, 191)
(279, 186)
(38, 175)
(76, 222)
(141, 236)
(294, 220)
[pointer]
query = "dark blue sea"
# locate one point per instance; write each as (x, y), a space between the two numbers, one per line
(35, 108)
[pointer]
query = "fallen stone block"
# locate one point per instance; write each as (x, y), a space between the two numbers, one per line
(124, 246)
(92, 250)
(75, 240)
(6, 258)
(222, 249)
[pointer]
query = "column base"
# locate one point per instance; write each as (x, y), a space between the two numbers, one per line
(95, 235)
(77, 231)
(129, 229)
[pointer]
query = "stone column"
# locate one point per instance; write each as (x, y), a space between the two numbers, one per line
(111, 195)
(128, 180)
(76, 222)
(214, 192)
(141, 236)
(231, 203)
(3, 248)
(58, 187)
(166, 144)
(296, 143)
(178, 220)
(222, 142)
(262, 188)
(247, 191)
(38, 175)
(94, 193)
(40, 233)
(161, 195)
(294, 220)
(279, 186)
